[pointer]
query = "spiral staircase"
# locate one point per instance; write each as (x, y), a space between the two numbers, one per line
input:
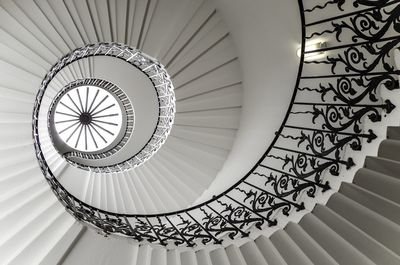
(227, 148)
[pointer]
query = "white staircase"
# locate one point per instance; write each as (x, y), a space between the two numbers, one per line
(359, 224)
(197, 50)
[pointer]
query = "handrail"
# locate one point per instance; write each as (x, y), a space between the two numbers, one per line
(324, 119)
(157, 76)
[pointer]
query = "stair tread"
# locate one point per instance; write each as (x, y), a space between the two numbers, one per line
(234, 255)
(61, 249)
(308, 245)
(383, 165)
(252, 254)
(378, 227)
(188, 257)
(372, 201)
(356, 237)
(393, 132)
(269, 251)
(92, 248)
(203, 258)
(288, 249)
(379, 183)
(44, 241)
(388, 148)
(338, 248)
(158, 256)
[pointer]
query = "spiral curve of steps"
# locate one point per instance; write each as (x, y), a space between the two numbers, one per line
(360, 224)
(207, 117)
(357, 222)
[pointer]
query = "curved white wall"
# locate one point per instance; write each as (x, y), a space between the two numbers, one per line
(267, 35)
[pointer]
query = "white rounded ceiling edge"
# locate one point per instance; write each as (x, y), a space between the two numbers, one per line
(266, 43)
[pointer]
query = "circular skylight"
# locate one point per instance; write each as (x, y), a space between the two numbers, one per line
(88, 118)
(102, 142)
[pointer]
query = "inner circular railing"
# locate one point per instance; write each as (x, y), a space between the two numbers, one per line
(162, 86)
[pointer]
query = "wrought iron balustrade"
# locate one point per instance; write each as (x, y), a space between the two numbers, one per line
(333, 94)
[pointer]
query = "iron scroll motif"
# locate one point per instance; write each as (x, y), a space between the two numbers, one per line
(352, 90)
(324, 120)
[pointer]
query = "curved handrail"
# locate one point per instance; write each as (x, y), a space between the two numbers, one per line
(150, 67)
(301, 158)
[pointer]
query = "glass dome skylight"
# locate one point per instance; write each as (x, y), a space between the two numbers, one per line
(88, 118)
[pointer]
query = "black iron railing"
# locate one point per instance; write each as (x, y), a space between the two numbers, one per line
(148, 66)
(333, 95)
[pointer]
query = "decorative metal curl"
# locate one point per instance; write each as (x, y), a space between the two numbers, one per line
(316, 152)
(353, 90)
(339, 118)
